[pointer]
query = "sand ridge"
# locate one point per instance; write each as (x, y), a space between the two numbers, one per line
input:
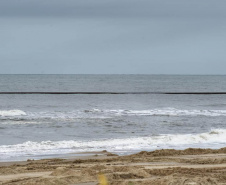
(163, 167)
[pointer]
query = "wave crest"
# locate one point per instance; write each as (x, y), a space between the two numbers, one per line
(162, 112)
(215, 138)
(8, 113)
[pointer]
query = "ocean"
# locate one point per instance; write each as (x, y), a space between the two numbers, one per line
(34, 126)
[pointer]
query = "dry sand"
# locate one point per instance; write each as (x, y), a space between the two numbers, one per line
(161, 167)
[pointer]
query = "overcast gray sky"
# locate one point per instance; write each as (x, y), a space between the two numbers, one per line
(113, 36)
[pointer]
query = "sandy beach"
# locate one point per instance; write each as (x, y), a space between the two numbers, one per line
(190, 166)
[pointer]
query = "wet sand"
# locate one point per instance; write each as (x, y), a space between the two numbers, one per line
(160, 167)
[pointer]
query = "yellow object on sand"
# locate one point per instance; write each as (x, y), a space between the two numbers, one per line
(102, 179)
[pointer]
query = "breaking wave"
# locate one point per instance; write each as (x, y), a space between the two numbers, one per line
(163, 112)
(213, 139)
(9, 113)
(104, 113)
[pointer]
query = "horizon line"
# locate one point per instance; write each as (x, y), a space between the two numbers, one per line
(113, 93)
(112, 74)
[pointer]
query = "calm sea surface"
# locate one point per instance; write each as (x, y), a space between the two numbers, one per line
(44, 125)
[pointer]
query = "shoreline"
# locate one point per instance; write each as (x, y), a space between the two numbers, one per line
(167, 166)
(68, 157)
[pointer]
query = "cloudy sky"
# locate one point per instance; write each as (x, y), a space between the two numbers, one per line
(113, 36)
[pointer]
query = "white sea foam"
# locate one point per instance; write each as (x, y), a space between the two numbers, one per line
(213, 139)
(107, 113)
(163, 112)
(9, 113)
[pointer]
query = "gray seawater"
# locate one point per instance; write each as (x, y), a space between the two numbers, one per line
(38, 126)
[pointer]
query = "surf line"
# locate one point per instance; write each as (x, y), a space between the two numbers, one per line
(176, 93)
